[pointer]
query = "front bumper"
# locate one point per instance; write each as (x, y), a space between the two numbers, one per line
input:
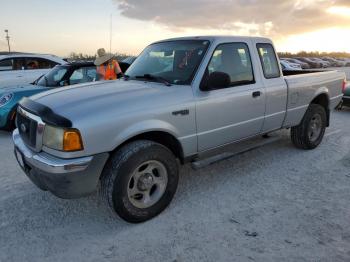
(65, 178)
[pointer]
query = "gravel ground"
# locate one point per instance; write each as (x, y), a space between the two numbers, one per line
(275, 203)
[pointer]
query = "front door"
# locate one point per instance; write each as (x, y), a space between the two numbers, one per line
(225, 115)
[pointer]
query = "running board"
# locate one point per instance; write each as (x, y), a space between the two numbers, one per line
(236, 149)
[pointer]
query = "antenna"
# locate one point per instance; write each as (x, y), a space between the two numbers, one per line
(110, 37)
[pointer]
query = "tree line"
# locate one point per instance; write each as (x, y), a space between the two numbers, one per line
(85, 57)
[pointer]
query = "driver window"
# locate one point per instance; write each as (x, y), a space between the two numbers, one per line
(234, 60)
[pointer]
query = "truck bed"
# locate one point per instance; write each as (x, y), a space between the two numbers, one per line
(305, 85)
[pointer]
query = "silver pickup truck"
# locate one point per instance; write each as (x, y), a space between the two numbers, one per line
(180, 100)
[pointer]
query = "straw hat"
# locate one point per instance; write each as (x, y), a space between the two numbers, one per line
(102, 57)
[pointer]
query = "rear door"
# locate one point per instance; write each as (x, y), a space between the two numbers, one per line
(236, 112)
(275, 86)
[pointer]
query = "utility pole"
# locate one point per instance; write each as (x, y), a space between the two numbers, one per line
(8, 39)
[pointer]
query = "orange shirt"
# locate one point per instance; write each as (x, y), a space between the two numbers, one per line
(109, 71)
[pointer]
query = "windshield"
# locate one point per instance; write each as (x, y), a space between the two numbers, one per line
(52, 78)
(65, 75)
(173, 61)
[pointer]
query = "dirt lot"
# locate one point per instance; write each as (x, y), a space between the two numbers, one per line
(275, 203)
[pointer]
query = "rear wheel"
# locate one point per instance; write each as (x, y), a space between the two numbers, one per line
(140, 180)
(309, 133)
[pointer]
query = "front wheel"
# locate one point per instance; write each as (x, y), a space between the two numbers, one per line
(140, 180)
(309, 133)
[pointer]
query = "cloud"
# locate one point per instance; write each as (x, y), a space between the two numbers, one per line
(256, 17)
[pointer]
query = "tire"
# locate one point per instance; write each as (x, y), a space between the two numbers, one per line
(309, 133)
(126, 182)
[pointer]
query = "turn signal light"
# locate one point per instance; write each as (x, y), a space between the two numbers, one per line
(72, 140)
(344, 85)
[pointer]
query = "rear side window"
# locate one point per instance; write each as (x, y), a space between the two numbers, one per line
(39, 63)
(234, 60)
(268, 61)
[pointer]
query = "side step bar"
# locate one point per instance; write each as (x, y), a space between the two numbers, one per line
(236, 149)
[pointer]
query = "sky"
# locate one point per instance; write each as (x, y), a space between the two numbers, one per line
(64, 26)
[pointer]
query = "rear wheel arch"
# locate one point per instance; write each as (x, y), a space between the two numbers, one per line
(323, 100)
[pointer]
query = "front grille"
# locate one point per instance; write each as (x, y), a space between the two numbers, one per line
(27, 129)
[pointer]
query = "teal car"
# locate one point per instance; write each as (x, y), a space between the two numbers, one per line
(346, 97)
(59, 76)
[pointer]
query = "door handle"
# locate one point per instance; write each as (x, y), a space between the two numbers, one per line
(256, 94)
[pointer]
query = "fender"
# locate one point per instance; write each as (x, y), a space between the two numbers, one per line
(323, 90)
(144, 127)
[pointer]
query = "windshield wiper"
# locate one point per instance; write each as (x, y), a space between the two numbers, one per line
(154, 77)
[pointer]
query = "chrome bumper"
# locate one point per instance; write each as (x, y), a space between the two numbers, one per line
(65, 178)
(49, 163)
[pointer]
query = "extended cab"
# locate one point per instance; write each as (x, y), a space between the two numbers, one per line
(180, 99)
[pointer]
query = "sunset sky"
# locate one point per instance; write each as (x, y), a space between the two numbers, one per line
(63, 26)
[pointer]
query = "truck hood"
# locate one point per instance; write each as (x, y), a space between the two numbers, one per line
(99, 97)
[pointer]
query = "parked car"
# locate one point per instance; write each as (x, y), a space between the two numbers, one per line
(59, 76)
(324, 64)
(312, 63)
(183, 99)
(22, 68)
(346, 97)
(289, 66)
(129, 60)
(345, 60)
(125, 64)
(296, 61)
(334, 62)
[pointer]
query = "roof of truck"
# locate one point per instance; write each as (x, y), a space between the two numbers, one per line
(216, 37)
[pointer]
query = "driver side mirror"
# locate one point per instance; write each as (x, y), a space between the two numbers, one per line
(216, 80)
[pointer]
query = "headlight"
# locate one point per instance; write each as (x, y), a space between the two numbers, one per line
(67, 140)
(5, 98)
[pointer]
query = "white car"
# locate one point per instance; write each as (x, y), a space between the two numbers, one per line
(286, 65)
(21, 68)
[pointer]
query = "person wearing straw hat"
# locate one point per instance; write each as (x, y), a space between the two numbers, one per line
(107, 66)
